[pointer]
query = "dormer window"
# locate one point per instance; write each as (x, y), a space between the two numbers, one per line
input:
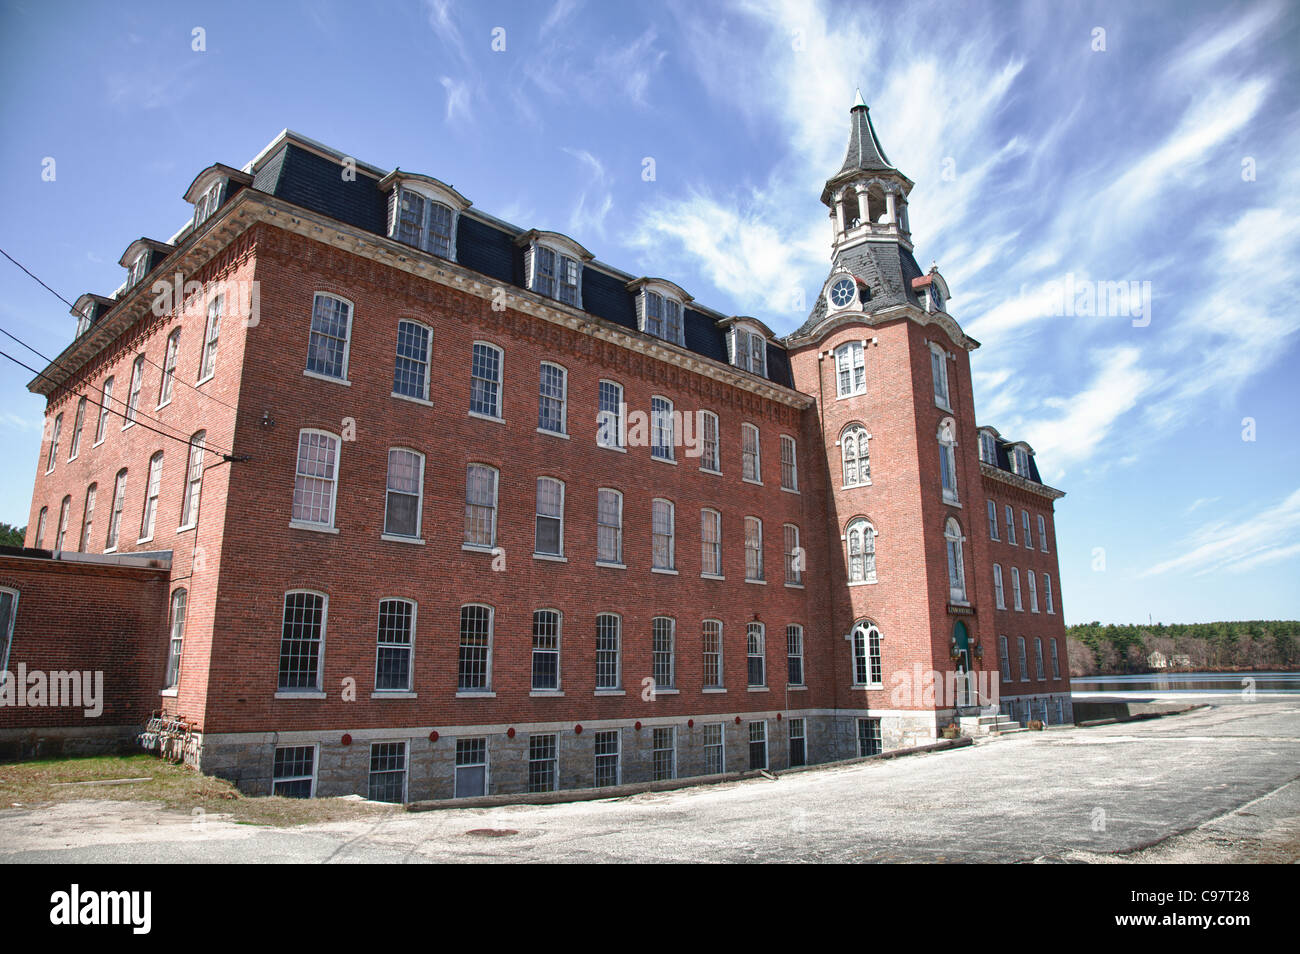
(139, 268)
(748, 347)
(208, 202)
(553, 265)
(660, 308)
(423, 212)
(988, 448)
(1020, 461)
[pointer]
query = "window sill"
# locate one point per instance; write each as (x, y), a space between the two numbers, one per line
(757, 689)
(751, 480)
(861, 688)
(486, 417)
(169, 693)
(757, 582)
(942, 406)
(611, 447)
(97, 443)
(396, 538)
(860, 483)
(610, 692)
(711, 576)
(126, 426)
(110, 549)
(713, 690)
(853, 394)
(665, 572)
(477, 548)
(186, 528)
(952, 502)
(791, 490)
(863, 582)
(163, 404)
(392, 694)
(325, 377)
(663, 460)
(204, 380)
(299, 694)
(546, 694)
(794, 586)
(414, 400)
(475, 694)
(667, 692)
(612, 566)
(314, 527)
(710, 470)
(559, 434)
(796, 688)
(550, 557)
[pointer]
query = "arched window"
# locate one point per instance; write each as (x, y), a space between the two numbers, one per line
(861, 539)
(948, 460)
(956, 562)
(176, 642)
(867, 668)
(856, 456)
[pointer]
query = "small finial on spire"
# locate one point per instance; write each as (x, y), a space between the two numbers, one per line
(859, 101)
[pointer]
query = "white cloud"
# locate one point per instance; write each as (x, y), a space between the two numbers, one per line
(594, 198)
(1265, 537)
(440, 20)
(560, 12)
(458, 95)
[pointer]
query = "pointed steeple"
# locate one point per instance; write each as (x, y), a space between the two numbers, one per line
(864, 152)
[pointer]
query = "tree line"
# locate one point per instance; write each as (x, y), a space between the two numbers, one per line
(1097, 650)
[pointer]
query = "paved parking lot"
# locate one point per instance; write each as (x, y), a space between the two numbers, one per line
(1212, 785)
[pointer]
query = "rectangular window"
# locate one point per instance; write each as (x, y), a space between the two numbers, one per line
(663, 649)
(869, 742)
(193, 481)
(753, 549)
(543, 764)
(105, 408)
(474, 670)
(64, 509)
(1056, 662)
(999, 593)
(789, 469)
(394, 643)
(40, 530)
(211, 334)
(411, 366)
(88, 518)
(609, 416)
(715, 762)
(756, 654)
(1047, 593)
(8, 616)
(663, 439)
(750, 469)
(74, 446)
(709, 434)
(849, 370)
(151, 497)
(549, 538)
(939, 368)
(993, 520)
(710, 543)
(662, 535)
(544, 271)
(485, 380)
(1038, 658)
(168, 368)
(712, 654)
(609, 526)
(480, 506)
(115, 516)
(176, 641)
(316, 478)
(1015, 590)
(546, 650)
(794, 556)
(388, 772)
(1042, 533)
(133, 392)
(1024, 662)
(609, 633)
(757, 745)
(295, 771)
(1029, 540)
(471, 768)
(404, 497)
(1005, 653)
(664, 753)
(327, 345)
(1033, 591)
(302, 641)
(424, 223)
(552, 399)
(798, 744)
(607, 758)
(570, 282)
(794, 654)
(1011, 525)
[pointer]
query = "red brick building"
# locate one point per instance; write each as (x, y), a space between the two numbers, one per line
(453, 506)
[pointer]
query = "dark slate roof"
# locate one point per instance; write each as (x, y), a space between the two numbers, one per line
(864, 152)
(1003, 447)
(887, 269)
(312, 181)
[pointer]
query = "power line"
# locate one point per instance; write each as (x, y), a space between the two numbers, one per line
(136, 413)
(230, 456)
(206, 394)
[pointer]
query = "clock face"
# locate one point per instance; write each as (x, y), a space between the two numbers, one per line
(843, 292)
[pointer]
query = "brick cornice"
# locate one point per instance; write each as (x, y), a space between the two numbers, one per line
(1015, 480)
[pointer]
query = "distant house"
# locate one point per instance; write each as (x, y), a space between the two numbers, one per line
(1158, 660)
(1181, 661)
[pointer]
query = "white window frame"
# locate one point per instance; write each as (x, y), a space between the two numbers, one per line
(850, 357)
(152, 491)
(332, 481)
(313, 334)
(793, 575)
(939, 372)
(558, 554)
(1032, 580)
(175, 637)
(757, 551)
(947, 438)
(486, 687)
(319, 687)
(712, 650)
(212, 336)
(761, 725)
(425, 363)
(711, 515)
(993, 521)
(789, 464)
(748, 348)
(1047, 595)
(105, 409)
(710, 443)
(860, 528)
(116, 509)
(389, 533)
(1028, 534)
(557, 651)
(493, 506)
(1005, 652)
(406, 766)
(999, 591)
(88, 517)
(670, 652)
(563, 399)
(615, 528)
(755, 636)
(663, 426)
(1016, 600)
(794, 650)
(65, 513)
(955, 546)
(315, 762)
(608, 420)
(1039, 671)
(868, 655)
(1024, 658)
(751, 454)
(167, 382)
(78, 422)
(485, 765)
(604, 736)
(988, 448)
(656, 297)
(671, 535)
(1042, 533)
(617, 685)
(56, 432)
(857, 437)
(424, 237)
(657, 750)
(193, 490)
(1010, 513)
(550, 765)
(497, 384)
(133, 391)
(408, 647)
(1056, 659)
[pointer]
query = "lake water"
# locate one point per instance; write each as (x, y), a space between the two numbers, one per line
(1200, 682)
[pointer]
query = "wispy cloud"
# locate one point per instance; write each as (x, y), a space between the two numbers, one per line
(443, 24)
(594, 199)
(1262, 538)
(458, 96)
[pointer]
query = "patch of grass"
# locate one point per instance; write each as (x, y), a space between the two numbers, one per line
(177, 787)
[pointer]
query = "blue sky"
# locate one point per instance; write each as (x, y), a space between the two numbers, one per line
(1167, 157)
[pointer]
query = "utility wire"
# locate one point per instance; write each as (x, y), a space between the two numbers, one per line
(206, 394)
